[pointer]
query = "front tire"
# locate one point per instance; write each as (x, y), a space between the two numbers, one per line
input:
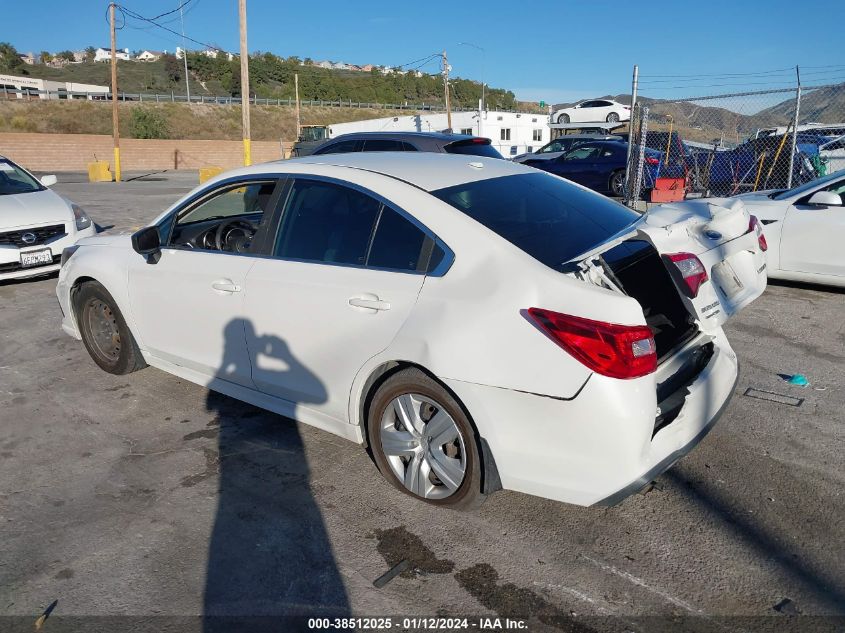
(104, 331)
(563, 118)
(423, 442)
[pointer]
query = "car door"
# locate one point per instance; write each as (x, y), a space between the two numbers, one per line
(601, 110)
(812, 236)
(579, 164)
(345, 272)
(188, 304)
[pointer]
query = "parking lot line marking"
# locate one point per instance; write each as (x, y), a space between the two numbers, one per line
(642, 583)
(771, 396)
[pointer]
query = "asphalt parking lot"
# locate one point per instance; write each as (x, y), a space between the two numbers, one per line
(146, 495)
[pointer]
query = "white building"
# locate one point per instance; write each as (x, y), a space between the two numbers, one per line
(150, 56)
(104, 54)
(31, 88)
(209, 52)
(511, 133)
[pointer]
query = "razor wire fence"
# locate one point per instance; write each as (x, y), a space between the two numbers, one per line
(741, 142)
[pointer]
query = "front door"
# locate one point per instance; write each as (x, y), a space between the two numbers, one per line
(188, 306)
(345, 273)
(812, 237)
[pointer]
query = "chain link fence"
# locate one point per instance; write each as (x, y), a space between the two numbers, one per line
(730, 144)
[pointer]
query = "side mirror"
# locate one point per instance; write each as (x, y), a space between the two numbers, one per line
(49, 181)
(147, 242)
(825, 199)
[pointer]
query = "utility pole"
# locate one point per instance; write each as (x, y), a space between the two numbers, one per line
(446, 89)
(245, 83)
(794, 127)
(296, 93)
(114, 116)
(184, 53)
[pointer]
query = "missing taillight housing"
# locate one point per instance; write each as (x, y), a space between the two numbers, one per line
(754, 225)
(691, 270)
(609, 349)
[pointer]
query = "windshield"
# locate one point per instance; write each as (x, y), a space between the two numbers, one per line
(806, 187)
(14, 180)
(550, 219)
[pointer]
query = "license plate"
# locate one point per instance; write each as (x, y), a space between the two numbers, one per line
(36, 258)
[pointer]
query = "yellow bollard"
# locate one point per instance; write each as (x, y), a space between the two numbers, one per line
(207, 173)
(98, 171)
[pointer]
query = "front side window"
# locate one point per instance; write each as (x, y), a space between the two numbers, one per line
(383, 145)
(239, 200)
(325, 222)
(14, 180)
(341, 148)
(584, 152)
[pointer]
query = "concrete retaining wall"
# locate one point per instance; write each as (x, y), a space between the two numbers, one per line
(72, 152)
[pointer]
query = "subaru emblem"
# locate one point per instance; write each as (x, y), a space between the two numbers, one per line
(28, 238)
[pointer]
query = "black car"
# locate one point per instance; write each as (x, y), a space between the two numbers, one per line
(438, 142)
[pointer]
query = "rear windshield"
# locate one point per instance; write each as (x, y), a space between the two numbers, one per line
(548, 218)
(473, 148)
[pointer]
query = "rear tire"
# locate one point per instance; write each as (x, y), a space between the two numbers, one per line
(613, 117)
(104, 331)
(563, 118)
(616, 184)
(423, 442)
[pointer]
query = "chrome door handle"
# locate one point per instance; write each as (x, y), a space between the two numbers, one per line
(371, 304)
(226, 286)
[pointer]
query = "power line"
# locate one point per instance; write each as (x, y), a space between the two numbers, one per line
(718, 75)
(137, 16)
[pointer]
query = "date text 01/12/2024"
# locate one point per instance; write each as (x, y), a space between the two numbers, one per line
(418, 623)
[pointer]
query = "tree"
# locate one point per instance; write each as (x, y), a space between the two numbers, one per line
(172, 68)
(148, 124)
(90, 52)
(45, 57)
(10, 59)
(66, 55)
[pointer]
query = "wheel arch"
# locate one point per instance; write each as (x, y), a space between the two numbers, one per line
(490, 480)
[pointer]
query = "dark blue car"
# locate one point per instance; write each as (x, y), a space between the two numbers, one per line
(600, 165)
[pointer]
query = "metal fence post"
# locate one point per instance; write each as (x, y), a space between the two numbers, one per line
(794, 128)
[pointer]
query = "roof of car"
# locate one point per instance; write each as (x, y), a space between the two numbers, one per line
(443, 136)
(426, 170)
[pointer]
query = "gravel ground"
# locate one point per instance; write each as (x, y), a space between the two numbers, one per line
(145, 495)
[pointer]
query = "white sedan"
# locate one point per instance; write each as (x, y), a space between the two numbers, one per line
(593, 111)
(805, 230)
(36, 224)
(476, 322)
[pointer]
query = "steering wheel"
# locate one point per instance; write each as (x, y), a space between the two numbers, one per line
(234, 236)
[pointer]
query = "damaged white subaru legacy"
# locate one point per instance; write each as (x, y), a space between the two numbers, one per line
(477, 323)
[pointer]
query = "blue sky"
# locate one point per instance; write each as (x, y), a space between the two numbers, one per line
(556, 51)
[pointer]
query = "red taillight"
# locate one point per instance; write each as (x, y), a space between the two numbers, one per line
(651, 160)
(691, 269)
(754, 225)
(618, 351)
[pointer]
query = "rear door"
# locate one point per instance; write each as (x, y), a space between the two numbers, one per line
(345, 271)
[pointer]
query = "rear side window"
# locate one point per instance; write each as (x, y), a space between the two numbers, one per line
(324, 222)
(548, 218)
(473, 148)
(383, 145)
(398, 243)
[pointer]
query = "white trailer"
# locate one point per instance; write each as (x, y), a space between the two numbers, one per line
(511, 133)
